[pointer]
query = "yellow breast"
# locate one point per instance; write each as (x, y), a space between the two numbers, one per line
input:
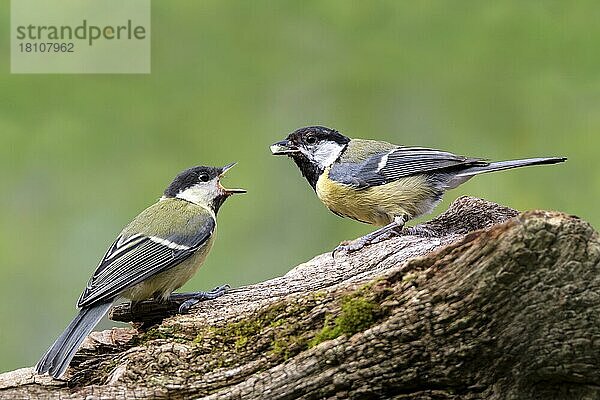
(377, 205)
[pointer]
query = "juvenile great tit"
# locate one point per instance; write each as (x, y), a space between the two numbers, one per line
(380, 183)
(154, 255)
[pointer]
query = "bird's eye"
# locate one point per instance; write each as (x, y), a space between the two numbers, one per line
(204, 177)
(311, 139)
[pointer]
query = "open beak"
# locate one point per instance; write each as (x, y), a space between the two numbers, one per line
(283, 148)
(229, 192)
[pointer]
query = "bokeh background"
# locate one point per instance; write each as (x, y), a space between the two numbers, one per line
(81, 155)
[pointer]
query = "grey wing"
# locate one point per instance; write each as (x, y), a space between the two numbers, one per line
(136, 258)
(397, 163)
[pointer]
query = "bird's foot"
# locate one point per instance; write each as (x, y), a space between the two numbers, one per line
(388, 235)
(350, 246)
(380, 234)
(197, 297)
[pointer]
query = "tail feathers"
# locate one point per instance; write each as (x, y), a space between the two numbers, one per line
(501, 165)
(57, 358)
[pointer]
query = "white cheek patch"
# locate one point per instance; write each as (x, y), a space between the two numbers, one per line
(201, 194)
(326, 153)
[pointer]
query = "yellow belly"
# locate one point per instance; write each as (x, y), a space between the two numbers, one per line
(167, 282)
(377, 205)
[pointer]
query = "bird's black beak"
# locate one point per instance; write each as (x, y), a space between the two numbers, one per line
(229, 192)
(283, 148)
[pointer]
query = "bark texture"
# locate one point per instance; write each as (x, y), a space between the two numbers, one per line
(495, 305)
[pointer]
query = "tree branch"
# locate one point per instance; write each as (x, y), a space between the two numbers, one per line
(492, 307)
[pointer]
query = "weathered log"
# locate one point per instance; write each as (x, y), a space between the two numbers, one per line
(495, 305)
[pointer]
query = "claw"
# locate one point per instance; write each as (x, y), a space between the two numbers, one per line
(391, 229)
(219, 291)
(350, 246)
(186, 305)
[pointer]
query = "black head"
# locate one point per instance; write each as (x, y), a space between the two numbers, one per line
(313, 149)
(313, 135)
(201, 185)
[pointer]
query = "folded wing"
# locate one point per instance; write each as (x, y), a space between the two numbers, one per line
(400, 162)
(132, 259)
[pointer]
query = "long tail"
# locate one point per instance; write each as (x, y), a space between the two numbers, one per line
(57, 358)
(464, 175)
(500, 165)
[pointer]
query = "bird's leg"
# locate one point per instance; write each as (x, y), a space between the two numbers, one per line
(194, 298)
(357, 244)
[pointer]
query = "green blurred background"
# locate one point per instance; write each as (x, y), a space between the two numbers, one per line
(81, 155)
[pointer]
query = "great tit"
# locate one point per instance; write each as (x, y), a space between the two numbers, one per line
(380, 183)
(154, 255)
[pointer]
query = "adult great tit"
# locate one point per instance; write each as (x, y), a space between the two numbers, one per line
(380, 183)
(154, 255)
